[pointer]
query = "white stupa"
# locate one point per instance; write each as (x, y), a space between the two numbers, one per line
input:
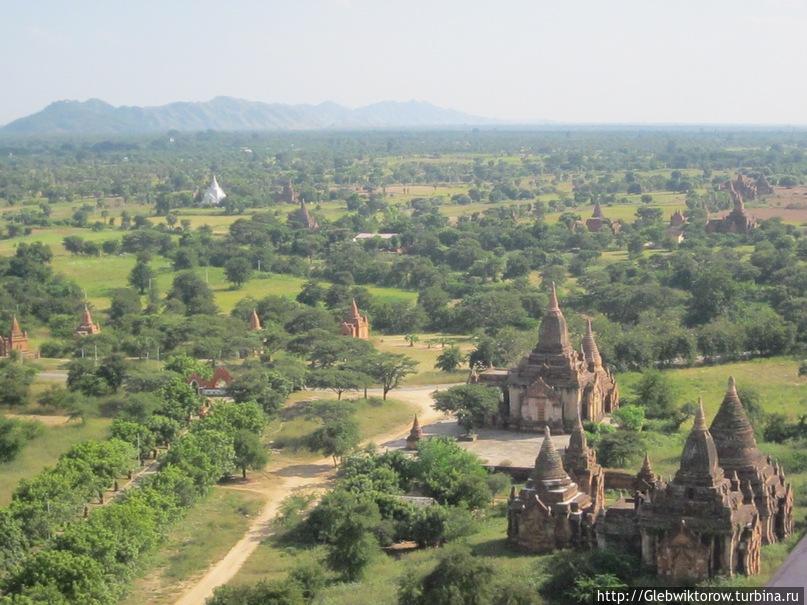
(214, 194)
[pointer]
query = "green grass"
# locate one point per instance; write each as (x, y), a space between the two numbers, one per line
(209, 530)
(272, 560)
(45, 450)
(425, 355)
(374, 417)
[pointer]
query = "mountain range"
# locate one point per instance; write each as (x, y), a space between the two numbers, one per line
(230, 114)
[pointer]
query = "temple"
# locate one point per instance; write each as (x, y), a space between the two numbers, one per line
(415, 435)
(214, 194)
(551, 512)
(726, 500)
(255, 322)
(302, 218)
(739, 220)
(17, 340)
(749, 188)
(87, 327)
(356, 325)
(288, 195)
(554, 382)
(598, 221)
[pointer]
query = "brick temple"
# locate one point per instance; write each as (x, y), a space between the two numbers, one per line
(725, 501)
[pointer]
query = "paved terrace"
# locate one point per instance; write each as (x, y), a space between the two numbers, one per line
(495, 447)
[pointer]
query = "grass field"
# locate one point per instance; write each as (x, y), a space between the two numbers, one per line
(425, 352)
(211, 527)
(45, 450)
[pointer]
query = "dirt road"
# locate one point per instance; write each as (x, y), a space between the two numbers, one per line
(290, 478)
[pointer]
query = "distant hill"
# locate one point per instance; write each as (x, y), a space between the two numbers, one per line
(229, 114)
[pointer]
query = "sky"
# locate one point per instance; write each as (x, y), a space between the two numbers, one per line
(604, 61)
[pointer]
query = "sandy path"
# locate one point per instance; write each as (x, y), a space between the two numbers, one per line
(286, 479)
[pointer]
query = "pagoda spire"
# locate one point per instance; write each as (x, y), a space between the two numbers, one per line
(86, 318)
(699, 462)
(255, 321)
(597, 210)
(15, 326)
(548, 465)
(646, 472)
(553, 336)
(591, 351)
(733, 433)
(354, 309)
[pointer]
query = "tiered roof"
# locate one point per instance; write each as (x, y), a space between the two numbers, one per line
(554, 333)
(699, 461)
(733, 434)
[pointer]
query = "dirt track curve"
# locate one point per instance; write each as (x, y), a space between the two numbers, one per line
(289, 478)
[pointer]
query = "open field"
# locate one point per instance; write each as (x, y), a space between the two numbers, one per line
(425, 352)
(44, 450)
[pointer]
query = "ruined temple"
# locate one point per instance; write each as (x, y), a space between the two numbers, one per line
(739, 220)
(356, 325)
(726, 500)
(303, 218)
(255, 322)
(288, 195)
(748, 187)
(87, 327)
(702, 524)
(555, 382)
(675, 230)
(16, 340)
(738, 454)
(551, 511)
(598, 221)
(415, 435)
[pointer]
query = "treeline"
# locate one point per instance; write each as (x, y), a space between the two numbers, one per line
(50, 555)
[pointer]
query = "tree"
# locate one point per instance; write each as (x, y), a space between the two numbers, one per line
(249, 451)
(336, 379)
(196, 296)
(458, 578)
(656, 394)
(269, 388)
(450, 359)
(14, 434)
(16, 378)
(186, 366)
(336, 438)
(452, 474)
(238, 271)
(311, 294)
(390, 369)
(141, 276)
(260, 593)
(619, 448)
(351, 542)
(473, 404)
(412, 339)
(629, 417)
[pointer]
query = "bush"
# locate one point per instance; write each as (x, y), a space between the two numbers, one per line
(14, 434)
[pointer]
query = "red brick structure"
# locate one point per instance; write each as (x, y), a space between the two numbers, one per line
(255, 322)
(87, 327)
(356, 325)
(737, 221)
(551, 512)
(214, 386)
(415, 435)
(726, 500)
(598, 221)
(17, 340)
(303, 219)
(555, 383)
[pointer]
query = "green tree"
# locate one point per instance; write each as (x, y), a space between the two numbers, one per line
(458, 579)
(238, 271)
(194, 294)
(336, 438)
(473, 404)
(449, 359)
(141, 276)
(16, 378)
(656, 394)
(336, 379)
(391, 369)
(262, 593)
(249, 451)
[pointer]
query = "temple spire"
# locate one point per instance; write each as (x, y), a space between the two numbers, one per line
(699, 462)
(733, 433)
(255, 321)
(15, 326)
(553, 337)
(354, 309)
(548, 465)
(597, 210)
(590, 350)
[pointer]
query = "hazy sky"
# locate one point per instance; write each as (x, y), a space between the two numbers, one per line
(742, 61)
